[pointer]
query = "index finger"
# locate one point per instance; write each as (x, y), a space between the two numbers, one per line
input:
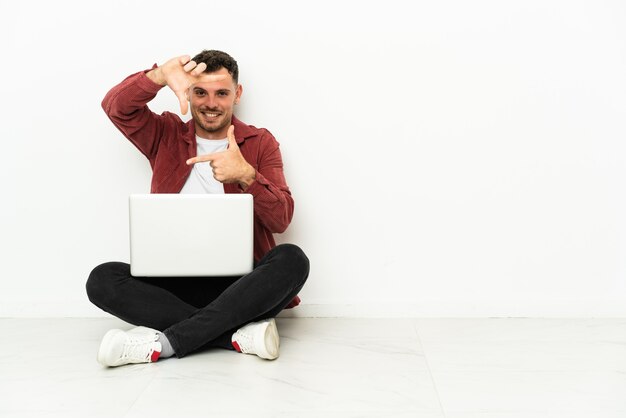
(210, 78)
(200, 159)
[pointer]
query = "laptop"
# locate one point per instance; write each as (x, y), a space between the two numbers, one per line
(191, 235)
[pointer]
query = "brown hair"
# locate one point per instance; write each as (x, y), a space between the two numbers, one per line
(215, 60)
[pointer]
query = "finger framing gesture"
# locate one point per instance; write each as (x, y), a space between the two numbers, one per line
(179, 74)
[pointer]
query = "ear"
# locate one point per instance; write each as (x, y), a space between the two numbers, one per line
(238, 93)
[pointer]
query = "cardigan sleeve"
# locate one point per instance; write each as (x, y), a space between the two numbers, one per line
(273, 203)
(126, 106)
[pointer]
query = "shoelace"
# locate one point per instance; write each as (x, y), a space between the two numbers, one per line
(138, 348)
(245, 341)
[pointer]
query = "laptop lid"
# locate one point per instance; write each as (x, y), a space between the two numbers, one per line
(191, 235)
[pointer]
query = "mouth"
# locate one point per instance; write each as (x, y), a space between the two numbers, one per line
(211, 115)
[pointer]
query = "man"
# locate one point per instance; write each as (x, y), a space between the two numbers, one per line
(212, 153)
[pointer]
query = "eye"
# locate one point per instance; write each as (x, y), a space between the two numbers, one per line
(222, 93)
(199, 92)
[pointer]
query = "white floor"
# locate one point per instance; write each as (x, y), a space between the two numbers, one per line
(453, 368)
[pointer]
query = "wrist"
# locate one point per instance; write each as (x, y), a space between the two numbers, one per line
(156, 76)
(248, 178)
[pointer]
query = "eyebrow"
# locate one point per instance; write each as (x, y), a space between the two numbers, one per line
(217, 91)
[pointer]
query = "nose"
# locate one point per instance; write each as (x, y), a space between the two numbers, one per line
(210, 101)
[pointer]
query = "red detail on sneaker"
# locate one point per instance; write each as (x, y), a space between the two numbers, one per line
(155, 356)
(236, 346)
(294, 302)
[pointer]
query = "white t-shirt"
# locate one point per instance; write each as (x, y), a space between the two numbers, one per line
(201, 179)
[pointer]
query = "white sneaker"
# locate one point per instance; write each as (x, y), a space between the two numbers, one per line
(138, 345)
(260, 338)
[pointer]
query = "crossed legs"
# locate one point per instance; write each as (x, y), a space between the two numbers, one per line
(197, 313)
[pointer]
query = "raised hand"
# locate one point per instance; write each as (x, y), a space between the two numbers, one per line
(179, 74)
(228, 166)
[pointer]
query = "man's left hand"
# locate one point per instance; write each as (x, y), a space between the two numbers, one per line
(229, 166)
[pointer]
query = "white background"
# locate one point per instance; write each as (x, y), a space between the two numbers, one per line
(447, 158)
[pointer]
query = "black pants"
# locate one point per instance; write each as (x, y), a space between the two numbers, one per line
(196, 313)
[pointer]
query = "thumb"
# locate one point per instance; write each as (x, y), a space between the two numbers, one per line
(232, 142)
(182, 98)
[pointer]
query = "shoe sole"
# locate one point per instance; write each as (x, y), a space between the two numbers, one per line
(271, 339)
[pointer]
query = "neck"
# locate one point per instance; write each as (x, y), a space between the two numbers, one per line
(219, 134)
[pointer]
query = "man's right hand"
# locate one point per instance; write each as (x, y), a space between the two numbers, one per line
(178, 74)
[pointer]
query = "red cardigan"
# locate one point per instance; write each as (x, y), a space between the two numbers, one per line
(168, 142)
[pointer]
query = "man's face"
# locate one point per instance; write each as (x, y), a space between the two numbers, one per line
(212, 100)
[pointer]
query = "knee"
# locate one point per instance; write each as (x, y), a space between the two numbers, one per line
(294, 259)
(99, 283)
